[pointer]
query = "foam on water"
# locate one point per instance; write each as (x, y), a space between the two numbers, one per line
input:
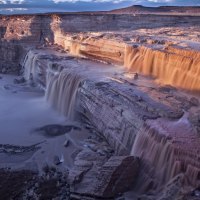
(21, 112)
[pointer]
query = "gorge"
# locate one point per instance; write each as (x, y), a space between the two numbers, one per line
(125, 92)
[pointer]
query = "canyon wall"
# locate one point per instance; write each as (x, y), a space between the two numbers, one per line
(157, 123)
(27, 29)
(176, 67)
(170, 65)
(18, 34)
(150, 122)
(166, 148)
(10, 57)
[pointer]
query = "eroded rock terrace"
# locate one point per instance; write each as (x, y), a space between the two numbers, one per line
(133, 79)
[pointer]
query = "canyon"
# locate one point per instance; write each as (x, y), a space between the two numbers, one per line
(127, 90)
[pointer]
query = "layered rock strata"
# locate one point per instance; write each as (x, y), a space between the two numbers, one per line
(137, 116)
(162, 58)
(114, 177)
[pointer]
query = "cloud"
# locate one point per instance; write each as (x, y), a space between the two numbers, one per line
(88, 1)
(161, 1)
(12, 1)
(13, 9)
(143, 2)
(36, 6)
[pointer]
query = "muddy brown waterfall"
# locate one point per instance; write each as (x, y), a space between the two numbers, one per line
(61, 91)
(171, 66)
(160, 146)
(60, 86)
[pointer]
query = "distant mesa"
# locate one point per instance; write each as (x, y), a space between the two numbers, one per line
(138, 9)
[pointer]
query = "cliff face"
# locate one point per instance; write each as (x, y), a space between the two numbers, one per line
(170, 65)
(17, 35)
(11, 55)
(137, 115)
(27, 29)
(94, 47)
(161, 62)
(137, 118)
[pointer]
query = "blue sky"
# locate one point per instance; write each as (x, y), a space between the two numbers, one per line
(24, 6)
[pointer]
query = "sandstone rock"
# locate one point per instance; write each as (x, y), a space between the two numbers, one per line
(76, 175)
(114, 177)
(54, 130)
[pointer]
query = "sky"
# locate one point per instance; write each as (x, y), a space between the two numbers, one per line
(42, 6)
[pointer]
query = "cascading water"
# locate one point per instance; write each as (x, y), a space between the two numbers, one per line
(30, 65)
(75, 49)
(61, 90)
(61, 86)
(157, 157)
(165, 151)
(169, 67)
(161, 153)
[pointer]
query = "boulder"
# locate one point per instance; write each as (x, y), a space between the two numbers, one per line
(116, 176)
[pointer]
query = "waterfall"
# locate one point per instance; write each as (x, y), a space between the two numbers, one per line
(165, 151)
(75, 49)
(60, 85)
(170, 67)
(157, 156)
(61, 90)
(30, 65)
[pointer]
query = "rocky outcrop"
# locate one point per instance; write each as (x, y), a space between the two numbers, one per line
(129, 107)
(112, 178)
(27, 29)
(95, 48)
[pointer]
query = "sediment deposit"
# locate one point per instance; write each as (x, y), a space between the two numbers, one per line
(133, 79)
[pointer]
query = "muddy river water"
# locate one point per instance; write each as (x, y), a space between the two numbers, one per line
(23, 111)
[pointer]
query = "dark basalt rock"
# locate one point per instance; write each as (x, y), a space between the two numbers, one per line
(54, 130)
(12, 149)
